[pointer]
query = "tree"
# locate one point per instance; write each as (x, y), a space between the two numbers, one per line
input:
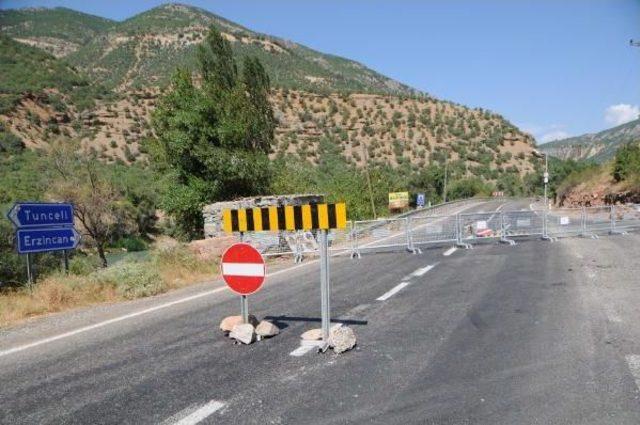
(213, 138)
(627, 162)
(99, 206)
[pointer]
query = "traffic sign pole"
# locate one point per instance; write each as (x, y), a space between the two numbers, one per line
(29, 272)
(244, 308)
(325, 286)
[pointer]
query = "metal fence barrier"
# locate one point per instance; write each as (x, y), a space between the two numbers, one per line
(441, 225)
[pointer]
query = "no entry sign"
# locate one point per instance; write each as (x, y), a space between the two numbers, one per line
(243, 269)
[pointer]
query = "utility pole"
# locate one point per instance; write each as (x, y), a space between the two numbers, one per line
(366, 170)
(444, 189)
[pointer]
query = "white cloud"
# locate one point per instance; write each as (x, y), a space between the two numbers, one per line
(552, 135)
(621, 113)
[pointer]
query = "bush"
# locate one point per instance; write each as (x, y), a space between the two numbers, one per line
(83, 265)
(131, 280)
(627, 162)
(131, 244)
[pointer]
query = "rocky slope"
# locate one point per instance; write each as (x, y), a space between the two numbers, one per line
(317, 97)
(599, 147)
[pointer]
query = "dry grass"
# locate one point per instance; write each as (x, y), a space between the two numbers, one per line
(166, 269)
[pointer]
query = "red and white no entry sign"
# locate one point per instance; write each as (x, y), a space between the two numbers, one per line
(243, 268)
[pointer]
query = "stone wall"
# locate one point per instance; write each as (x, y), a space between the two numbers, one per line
(213, 212)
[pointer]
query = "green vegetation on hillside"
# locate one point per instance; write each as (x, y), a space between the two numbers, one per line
(25, 69)
(600, 147)
(626, 164)
(143, 60)
(59, 23)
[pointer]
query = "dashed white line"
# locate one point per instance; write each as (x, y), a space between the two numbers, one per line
(633, 361)
(393, 291)
(450, 251)
(200, 414)
(301, 351)
(422, 271)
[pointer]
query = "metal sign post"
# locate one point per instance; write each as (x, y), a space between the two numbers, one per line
(325, 287)
(244, 308)
(29, 272)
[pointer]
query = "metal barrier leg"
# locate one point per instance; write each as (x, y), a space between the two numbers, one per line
(355, 252)
(545, 227)
(410, 247)
(583, 232)
(503, 232)
(613, 230)
(459, 242)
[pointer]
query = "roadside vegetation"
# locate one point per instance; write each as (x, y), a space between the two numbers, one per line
(166, 268)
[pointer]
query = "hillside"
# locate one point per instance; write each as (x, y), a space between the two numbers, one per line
(599, 147)
(58, 31)
(318, 96)
(145, 49)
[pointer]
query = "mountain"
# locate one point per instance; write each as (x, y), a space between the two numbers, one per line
(317, 97)
(145, 49)
(59, 31)
(599, 147)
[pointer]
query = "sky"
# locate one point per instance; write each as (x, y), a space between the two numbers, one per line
(554, 68)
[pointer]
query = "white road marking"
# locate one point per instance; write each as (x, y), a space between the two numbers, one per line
(422, 271)
(200, 414)
(633, 361)
(393, 291)
(132, 315)
(399, 287)
(302, 350)
(450, 251)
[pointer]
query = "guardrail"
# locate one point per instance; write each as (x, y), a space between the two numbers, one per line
(441, 224)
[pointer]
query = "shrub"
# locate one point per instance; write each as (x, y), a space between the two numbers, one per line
(131, 280)
(83, 265)
(131, 244)
(627, 162)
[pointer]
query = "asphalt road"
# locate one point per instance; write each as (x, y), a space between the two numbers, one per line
(537, 333)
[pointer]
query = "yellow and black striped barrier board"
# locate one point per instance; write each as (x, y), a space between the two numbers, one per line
(288, 217)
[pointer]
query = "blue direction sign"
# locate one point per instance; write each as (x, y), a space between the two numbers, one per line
(43, 240)
(31, 215)
(420, 200)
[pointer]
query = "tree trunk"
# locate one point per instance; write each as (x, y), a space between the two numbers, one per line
(101, 255)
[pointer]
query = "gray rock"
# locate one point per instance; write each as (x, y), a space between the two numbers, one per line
(312, 335)
(267, 329)
(244, 333)
(229, 322)
(342, 339)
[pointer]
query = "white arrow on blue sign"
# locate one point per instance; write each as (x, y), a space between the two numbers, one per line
(31, 215)
(43, 240)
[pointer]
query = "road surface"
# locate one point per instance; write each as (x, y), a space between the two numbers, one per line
(537, 333)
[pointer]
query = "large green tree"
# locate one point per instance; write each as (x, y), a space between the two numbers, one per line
(213, 136)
